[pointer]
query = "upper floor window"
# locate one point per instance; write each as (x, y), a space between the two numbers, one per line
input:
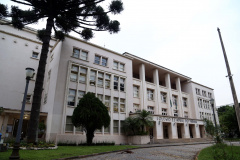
(28, 98)
(136, 107)
(163, 97)
(107, 80)
(118, 66)
(209, 95)
(35, 55)
(83, 75)
(197, 91)
(74, 73)
(100, 60)
(200, 103)
(80, 94)
(150, 94)
(122, 84)
(119, 81)
(150, 109)
(122, 105)
(92, 77)
(175, 100)
(71, 97)
(185, 114)
(185, 102)
(175, 113)
(77, 53)
(115, 83)
(100, 97)
(115, 105)
(204, 93)
(136, 91)
(100, 79)
(107, 102)
(164, 112)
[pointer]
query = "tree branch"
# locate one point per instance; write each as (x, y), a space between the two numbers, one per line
(22, 3)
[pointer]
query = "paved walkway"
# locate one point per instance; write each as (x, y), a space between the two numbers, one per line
(167, 152)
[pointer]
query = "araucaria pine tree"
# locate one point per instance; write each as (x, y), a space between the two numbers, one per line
(63, 16)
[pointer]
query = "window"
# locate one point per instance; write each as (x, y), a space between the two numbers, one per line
(92, 77)
(118, 66)
(185, 102)
(204, 93)
(100, 97)
(135, 91)
(74, 73)
(107, 80)
(107, 102)
(100, 79)
(83, 74)
(69, 125)
(163, 97)
(115, 126)
(122, 84)
(209, 95)
(28, 98)
(80, 94)
(150, 109)
(175, 101)
(197, 91)
(175, 113)
(77, 53)
(164, 112)
(115, 105)
(106, 130)
(121, 127)
(185, 114)
(150, 94)
(74, 68)
(115, 83)
(122, 105)
(200, 103)
(35, 55)
(136, 107)
(71, 97)
(204, 104)
(100, 60)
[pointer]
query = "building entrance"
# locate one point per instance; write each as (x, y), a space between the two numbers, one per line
(202, 133)
(24, 128)
(180, 130)
(166, 130)
(192, 131)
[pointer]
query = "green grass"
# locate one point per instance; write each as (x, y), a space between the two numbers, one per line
(61, 152)
(221, 153)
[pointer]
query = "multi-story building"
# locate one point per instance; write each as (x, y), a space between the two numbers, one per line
(125, 83)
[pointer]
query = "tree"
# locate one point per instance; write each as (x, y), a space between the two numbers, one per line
(91, 114)
(144, 119)
(209, 127)
(131, 126)
(63, 16)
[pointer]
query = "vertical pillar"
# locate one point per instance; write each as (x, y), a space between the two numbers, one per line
(169, 94)
(157, 92)
(178, 87)
(5, 122)
(159, 129)
(186, 128)
(174, 130)
(143, 88)
(197, 130)
(111, 105)
(1, 123)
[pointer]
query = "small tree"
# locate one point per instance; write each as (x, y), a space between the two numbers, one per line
(131, 126)
(91, 114)
(144, 119)
(209, 127)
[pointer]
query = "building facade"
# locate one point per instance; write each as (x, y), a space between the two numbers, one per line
(125, 83)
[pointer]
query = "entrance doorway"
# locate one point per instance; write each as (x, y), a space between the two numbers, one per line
(202, 131)
(167, 130)
(180, 130)
(192, 131)
(24, 128)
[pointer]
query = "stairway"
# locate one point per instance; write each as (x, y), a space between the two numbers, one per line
(182, 140)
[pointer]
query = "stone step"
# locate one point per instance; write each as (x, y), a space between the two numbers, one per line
(182, 140)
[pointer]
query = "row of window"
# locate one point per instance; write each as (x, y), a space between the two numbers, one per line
(118, 103)
(100, 60)
(204, 103)
(205, 115)
(204, 93)
(117, 126)
(101, 79)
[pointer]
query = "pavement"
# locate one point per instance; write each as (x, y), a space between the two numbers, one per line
(167, 151)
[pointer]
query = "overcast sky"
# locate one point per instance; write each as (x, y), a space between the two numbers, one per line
(182, 36)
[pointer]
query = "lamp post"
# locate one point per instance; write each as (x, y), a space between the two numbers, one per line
(15, 153)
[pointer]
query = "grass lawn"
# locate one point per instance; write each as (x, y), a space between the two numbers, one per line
(221, 153)
(61, 152)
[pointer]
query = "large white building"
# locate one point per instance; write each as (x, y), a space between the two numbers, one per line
(124, 82)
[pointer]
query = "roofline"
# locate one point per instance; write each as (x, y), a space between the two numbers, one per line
(201, 85)
(157, 65)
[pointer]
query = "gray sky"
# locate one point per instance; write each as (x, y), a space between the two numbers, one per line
(182, 36)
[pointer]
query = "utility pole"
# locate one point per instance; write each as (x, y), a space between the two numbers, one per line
(231, 81)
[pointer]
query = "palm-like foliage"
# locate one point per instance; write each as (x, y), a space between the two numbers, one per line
(131, 126)
(63, 16)
(91, 114)
(144, 119)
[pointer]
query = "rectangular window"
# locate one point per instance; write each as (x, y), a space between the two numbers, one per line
(150, 109)
(164, 112)
(35, 55)
(115, 105)
(100, 79)
(185, 102)
(71, 97)
(122, 105)
(69, 125)
(115, 83)
(84, 55)
(200, 103)
(100, 97)
(163, 97)
(28, 98)
(185, 114)
(175, 113)
(107, 80)
(118, 66)
(115, 126)
(209, 95)
(92, 78)
(204, 93)
(174, 98)
(136, 107)
(80, 94)
(83, 75)
(97, 59)
(107, 102)
(100, 60)
(150, 94)
(77, 53)
(197, 91)
(104, 61)
(74, 68)
(73, 76)
(122, 84)
(135, 91)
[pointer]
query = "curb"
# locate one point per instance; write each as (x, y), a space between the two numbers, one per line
(164, 145)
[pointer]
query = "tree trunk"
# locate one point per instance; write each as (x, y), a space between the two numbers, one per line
(89, 135)
(37, 96)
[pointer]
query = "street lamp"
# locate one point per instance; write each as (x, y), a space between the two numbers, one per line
(15, 153)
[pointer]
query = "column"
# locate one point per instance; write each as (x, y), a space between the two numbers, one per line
(169, 94)
(157, 90)
(143, 89)
(178, 87)
(186, 128)
(197, 131)
(174, 130)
